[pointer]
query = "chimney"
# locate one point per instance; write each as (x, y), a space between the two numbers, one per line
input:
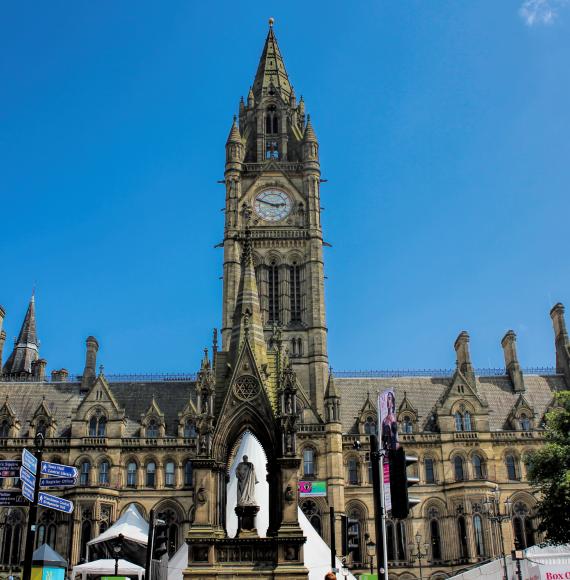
(59, 376)
(561, 342)
(509, 344)
(39, 369)
(463, 357)
(2, 335)
(89, 373)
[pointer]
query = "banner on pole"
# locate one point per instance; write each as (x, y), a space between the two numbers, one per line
(387, 494)
(388, 420)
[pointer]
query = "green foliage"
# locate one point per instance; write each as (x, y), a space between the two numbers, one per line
(549, 473)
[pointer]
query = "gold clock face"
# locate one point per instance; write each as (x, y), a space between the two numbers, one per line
(272, 205)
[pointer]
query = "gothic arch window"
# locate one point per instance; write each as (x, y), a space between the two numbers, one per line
(479, 536)
(462, 532)
(273, 292)
(459, 468)
(313, 514)
(104, 473)
(169, 474)
(190, 429)
(84, 472)
(467, 421)
(355, 525)
(41, 427)
(524, 422)
(512, 470)
(295, 292)
(188, 473)
(46, 530)
(309, 462)
(98, 425)
(152, 429)
(5, 428)
(86, 527)
(132, 473)
(370, 425)
(12, 538)
(478, 467)
(435, 535)
(458, 421)
(522, 525)
(271, 120)
(429, 468)
(150, 473)
(352, 470)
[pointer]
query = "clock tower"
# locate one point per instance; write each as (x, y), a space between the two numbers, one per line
(272, 178)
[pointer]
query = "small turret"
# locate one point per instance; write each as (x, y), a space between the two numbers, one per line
(293, 99)
(90, 372)
(509, 344)
(464, 357)
(332, 401)
(310, 143)
(234, 145)
(561, 341)
(250, 99)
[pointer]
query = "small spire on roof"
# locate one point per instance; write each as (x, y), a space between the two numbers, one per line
(271, 22)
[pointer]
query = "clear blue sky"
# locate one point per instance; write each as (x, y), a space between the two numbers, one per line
(444, 134)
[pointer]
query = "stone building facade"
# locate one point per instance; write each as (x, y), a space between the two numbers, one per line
(165, 442)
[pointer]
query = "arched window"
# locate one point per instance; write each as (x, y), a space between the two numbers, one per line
(353, 471)
(271, 120)
(170, 517)
(478, 467)
(295, 292)
(370, 426)
(459, 468)
(273, 292)
(12, 538)
(458, 421)
(93, 426)
(131, 474)
(512, 472)
(407, 425)
(308, 462)
(467, 421)
(435, 536)
(354, 534)
(5, 428)
(84, 473)
(390, 540)
(188, 473)
(401, 542)
(102, 427)
(522, 525)
(479, 537)
(169, 479)
(189, 429)
(151, 474)
(104, 473)
(41, 427)
(524, 422)
(85, 537)
(429, 469)
(313, 514)
(46, 530)
(462, 531)
(152, 429)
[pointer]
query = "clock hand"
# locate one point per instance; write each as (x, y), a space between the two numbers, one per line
(271, 204)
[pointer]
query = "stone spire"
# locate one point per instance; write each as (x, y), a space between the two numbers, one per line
(234, 135)
(26, 347)
(247, 322)
(271, 73)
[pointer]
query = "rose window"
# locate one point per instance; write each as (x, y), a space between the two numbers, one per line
(246, 388)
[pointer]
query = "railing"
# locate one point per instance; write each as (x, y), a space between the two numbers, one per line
(481, 372)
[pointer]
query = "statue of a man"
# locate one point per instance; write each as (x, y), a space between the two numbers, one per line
(245, 473)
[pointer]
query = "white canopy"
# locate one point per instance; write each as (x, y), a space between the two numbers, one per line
(131, 524)
(178, 563)
(107, 568)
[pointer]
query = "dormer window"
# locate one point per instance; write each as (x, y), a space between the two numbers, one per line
(41, 427)
(524, 422)
(370, 426)
(463, 421)
(407, 425)
(152, 429)
(4, 428)
(189, 429)
(97, 426)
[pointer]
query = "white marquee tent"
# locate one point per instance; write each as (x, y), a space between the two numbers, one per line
(107, 568)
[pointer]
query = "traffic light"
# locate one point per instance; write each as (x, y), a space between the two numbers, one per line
(160, 543)
(400, 481)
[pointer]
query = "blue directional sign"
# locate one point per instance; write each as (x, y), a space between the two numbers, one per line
(9, 468)
(58, 481)
(55, 503)
(27, 491)
(29, 461)
(27, 477)
(58, 470)
(11, 498)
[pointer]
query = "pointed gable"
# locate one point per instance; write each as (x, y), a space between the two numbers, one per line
(100, 394)
(26, 348)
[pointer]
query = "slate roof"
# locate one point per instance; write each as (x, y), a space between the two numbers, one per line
(424, 392)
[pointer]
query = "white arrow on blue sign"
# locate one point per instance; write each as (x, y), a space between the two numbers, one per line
(58, 470)
(55, 503)
(28, 491)
(29, 461)
(27, 477)
(58, 481)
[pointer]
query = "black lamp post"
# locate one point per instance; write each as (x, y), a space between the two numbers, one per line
(117, 549)
(492, 507)
(370, 551)
(418, 554)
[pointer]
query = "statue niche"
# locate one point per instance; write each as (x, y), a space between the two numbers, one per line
(246, 508)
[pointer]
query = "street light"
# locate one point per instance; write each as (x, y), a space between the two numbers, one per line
(117, 549)
(418, 554)
(492, 508)
(370, 551)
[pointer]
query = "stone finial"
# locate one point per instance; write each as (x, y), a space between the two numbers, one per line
(509, 344)
(561, 341)
(463, 356)
(89, 372)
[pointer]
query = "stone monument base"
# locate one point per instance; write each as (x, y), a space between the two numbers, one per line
(246, 521)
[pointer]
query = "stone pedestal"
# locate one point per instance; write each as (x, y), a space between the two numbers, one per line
(246, 515)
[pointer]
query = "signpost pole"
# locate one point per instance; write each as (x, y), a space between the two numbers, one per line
(33, 511)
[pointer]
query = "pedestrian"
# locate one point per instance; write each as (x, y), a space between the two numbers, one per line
(330, 576)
